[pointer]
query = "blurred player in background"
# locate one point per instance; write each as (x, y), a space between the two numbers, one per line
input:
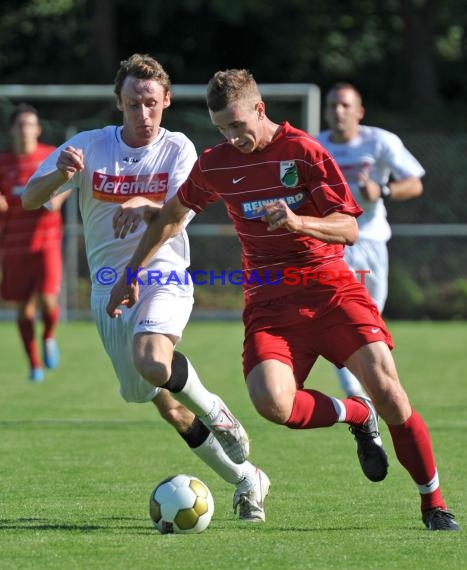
(378, 168)
(30, 243)
(292, 209)
(123, 175)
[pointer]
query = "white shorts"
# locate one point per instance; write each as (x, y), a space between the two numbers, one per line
(370, 255)
(164, 310)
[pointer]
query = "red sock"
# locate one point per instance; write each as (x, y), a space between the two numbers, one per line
(311, 409)
(26, 330)
(412, 444)
(356, 412)
(50, 321)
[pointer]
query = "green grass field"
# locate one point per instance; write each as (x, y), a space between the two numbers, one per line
(77, 466)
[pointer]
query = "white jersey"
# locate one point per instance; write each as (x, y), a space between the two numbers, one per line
(114, 173)
(377, 154)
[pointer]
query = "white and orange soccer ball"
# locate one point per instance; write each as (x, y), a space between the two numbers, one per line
(181, 504)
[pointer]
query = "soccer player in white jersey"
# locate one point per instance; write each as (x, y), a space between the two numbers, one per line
(377, 167)
(123, 175)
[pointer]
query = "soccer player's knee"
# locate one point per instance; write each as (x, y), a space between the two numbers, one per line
(271, 402)
(272, 413)
(156, 373)
(273, 407)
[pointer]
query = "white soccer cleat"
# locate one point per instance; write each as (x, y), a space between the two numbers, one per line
(249, 497)
(230, 433)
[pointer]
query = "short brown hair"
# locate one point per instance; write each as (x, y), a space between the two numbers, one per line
(231, 85)
(345, 85)
(141, 66)
(20, 109)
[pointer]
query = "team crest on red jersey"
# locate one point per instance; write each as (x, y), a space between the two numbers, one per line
(288, 173)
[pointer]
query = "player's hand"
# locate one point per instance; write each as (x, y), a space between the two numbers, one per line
(70, 161)
(278, 215)
(130, 214)
(127, 218)
(122, 294)
(369, 189)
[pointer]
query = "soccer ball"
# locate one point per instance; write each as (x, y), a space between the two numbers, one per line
(181, 504)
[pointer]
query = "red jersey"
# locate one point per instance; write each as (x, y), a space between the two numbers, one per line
(293, 167)
(23, 231)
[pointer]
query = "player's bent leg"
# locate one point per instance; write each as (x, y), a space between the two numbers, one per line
(174, 413)
(374, 366)
(185, 385)
(272, 389)
(27, 309)
(252, 485)
(152, 357)
(273, 392)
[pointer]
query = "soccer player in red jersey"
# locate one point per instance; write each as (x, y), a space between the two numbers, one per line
(292, 208)
(30, 242)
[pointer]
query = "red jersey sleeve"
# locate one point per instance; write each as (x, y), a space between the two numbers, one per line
(328, 187)
(195, 192)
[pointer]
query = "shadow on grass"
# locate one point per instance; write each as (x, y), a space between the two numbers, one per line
(139, 527)
(45, 524)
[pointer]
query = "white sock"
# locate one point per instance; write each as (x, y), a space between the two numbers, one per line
(211, 452)
(195, 396)
(349, 383)
(430, 486)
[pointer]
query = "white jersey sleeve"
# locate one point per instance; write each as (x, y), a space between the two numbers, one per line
(393, 158)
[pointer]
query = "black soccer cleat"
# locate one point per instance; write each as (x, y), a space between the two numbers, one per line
(370, 451)
(439, 519)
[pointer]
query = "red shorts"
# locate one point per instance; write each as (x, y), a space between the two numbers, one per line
(297, 328)
(24, 275)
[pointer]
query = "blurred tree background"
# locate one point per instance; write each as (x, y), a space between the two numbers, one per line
(408, 57)
(404, 54)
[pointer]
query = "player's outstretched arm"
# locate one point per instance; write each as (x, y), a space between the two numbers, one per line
(160, 228)
(39, 190)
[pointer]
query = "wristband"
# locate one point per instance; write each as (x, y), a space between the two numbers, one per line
(385, 191)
